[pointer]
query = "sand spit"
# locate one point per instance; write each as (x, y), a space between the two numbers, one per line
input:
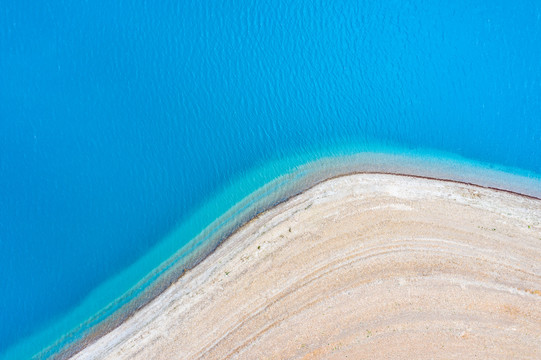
(361, 266)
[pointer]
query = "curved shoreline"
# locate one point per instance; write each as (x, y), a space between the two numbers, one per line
(257, 195)
(205, 273)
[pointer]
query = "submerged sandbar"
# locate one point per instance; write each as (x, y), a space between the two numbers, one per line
(366, 265)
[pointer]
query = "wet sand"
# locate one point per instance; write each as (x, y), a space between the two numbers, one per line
(360, 266)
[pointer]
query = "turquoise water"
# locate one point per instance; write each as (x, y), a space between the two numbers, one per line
(135, 135)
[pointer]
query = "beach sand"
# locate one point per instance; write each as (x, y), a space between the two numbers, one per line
(360, 267)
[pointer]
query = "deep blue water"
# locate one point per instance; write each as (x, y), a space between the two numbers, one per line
(120, 119)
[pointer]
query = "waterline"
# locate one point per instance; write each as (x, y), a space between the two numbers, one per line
(262, 188)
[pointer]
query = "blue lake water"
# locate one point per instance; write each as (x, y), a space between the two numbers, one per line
(127, 128)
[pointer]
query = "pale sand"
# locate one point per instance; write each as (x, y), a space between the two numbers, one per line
(362, 266)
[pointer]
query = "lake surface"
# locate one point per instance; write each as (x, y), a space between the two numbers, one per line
(127, 128)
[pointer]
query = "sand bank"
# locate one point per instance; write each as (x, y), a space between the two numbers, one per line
(362, 266)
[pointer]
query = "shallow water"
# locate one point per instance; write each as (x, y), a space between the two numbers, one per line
(127, 128)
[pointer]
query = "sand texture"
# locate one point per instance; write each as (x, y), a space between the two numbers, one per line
(359, 267)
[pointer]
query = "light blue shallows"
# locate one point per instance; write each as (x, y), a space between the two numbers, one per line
(136, 135)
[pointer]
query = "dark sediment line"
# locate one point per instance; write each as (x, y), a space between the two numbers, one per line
(169, 273)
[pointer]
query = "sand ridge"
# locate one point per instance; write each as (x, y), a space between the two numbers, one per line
(360, 266)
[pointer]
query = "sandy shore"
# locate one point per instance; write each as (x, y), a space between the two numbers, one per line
(361, 266)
